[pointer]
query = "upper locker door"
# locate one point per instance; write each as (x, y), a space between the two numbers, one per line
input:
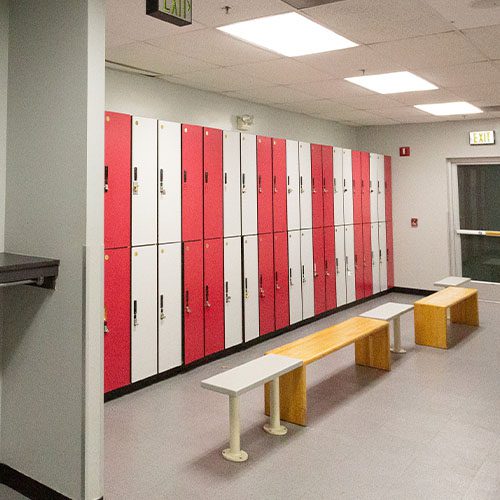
(212, 182)
(169, 306)
(340, 265)
(338, 186)
(233, 311)
(251, 287)
(330, 271)
(192, 183)
(388, 187)
(348, 196)
(390, 255)
(169, 182)
(381, 188)
(279, 186)
(305, 185)
(367, 260)
(294, 277)
(293, 190)
(117, 180)
(350, 269)
(143, 312)
(306, 260)
(375, 257)
(248, 184)
(232, 173)
(281, 271)
(382, 237)
(373, 187)
(327, 158)
(365, 188)
(319, 270)
(144, 181)
(264, 185)
(317, 185)
(357, 187)
(359, 267)
(266, 284)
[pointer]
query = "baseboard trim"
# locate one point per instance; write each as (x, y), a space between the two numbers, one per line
(412, 291)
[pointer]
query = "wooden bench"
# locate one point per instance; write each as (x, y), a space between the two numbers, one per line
(371, 339)
(430, 314)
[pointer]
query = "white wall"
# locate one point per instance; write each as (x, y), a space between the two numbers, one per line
(420, 189)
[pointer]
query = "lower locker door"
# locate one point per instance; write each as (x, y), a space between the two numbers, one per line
(340, 265)
(319, 270)
(390, 255)
(251, 287)
(294, 277)
(358, 261)
(367, 261)
(350, 270)
(233, 311)
(330, 273)
(375, 258)
(266, 284)
(143, 312)
(382, 237)
(213, 274)
(281, 297)
(169, 306)
(306, 259)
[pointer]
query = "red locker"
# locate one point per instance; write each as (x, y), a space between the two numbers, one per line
(194, 344)
(327, 161)
(390, 254)
(319, 270)
(192, 183)
(212, 182)
(388, 188)
(213, 295)
(281, 297)
(116, 319)
(265, 185)
(367, 260)
(317, 185)
(356, 187)
(365, 187)
(279, 186)
(358, 261)
(330, 271)
(266, 283)
(117, 165)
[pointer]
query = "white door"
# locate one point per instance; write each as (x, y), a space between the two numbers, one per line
(381, 188)
(340, 265)
(248, 184)
(169, 182)
(348, 196)
(306, 259)
(374, 160)
(382, 255)
(233, 309)
(305, 185)
(169, 306)
(251, 286)
(232, 172)
(350, 267)
(375, 258)
(144, 181)
(293, 192)
(338, 187)
(294, 277)
(143, 312)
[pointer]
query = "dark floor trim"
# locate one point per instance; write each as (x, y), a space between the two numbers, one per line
(412, 291)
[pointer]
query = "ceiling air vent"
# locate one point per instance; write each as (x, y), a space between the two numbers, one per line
(306, 4)
(491, 109)
(131, 69)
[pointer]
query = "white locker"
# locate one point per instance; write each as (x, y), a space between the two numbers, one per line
(169, 182)
(350, 269)
(338, 187)
(169, 306)
(248, 184)
(381, 188)
(375, 258)
(232, 171)
(294, 277)
(251, 286)
(382, 255)
(305, 185)
(293, 194)
(374, 160)
(144, 312)
(306, 260)
(144, 181)
(233, 309)
(348, 195)
(340, 265)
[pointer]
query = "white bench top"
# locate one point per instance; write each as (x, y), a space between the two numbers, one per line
(387, 311)
(452, 281)
(245, 377)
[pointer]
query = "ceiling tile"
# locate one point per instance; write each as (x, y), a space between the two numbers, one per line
(331, 89)
(270, 95)
(486, 93)
(370, 102)
(462, 74)
(116, 39)
(486, 39)
(425, 97)
(402, 114)
(463, 15)
(318, 106)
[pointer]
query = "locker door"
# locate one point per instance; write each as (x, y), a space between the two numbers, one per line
(232, 173)
(382, 237)
(251, 287)
(390, 255)
(365, 187)
(358, 261)
(330, 273)
(381, 189)
(264, 185)
(348, 196)
(340, 265)
(327, 158)
(356, 187)
(293, 192)
(143, 312)
(279, 186)
(317, 185)
(213, 295)
(367, 260)
(233, 311)
(248, 184)
(338, 186)
(319, 270)
(350, 270)
(194, 341)
(373, 187)
(305, 185)
(117, 180)
(212, 182)
(169, 306)
(281, 270)
(169, 182)
(144, 181)
(116, 318)
(375, 258)
(294, 277)
(388, 187)
(192, 183)
(266, 284)
(306, 259)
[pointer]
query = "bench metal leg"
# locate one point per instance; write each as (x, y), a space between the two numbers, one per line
(274, 426)
(234, 453)
(397, 337)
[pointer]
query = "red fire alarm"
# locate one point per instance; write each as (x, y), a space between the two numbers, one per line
(414, 222)
(404, 151)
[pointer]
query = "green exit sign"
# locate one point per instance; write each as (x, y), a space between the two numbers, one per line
(179, 12)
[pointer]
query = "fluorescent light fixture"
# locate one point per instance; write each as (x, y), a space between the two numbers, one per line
(449, 108)
(288, 34)
(392, 83)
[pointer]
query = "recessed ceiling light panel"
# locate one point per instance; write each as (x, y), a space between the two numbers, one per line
(288, 34)
(449, 108)
(392, 83)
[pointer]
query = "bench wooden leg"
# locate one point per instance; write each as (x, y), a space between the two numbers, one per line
(374, 351)
(430, 326)
(466, 312)
(234, 453)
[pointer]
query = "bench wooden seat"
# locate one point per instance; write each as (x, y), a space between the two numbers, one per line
(431, 314)
(371, 339)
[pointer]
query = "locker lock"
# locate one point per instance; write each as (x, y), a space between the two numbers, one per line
(136, 322)
(302, 185)
(315, 271)
(228, 297)
(303, 274)
(162, 312)
(106, 330)
(135, 184)
(106, 179)
(162, 186)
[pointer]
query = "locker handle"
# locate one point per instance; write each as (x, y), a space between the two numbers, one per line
(260, 183)
(335, 185)
(243, 184)
(274, 184)
(303, 274)
(327, 273)
(277, 282)
(246, 288)
(291, 277)
(347, 262)
(337, 264)
(315, 271)
(371, 187)
(380, 255)
(378, 188)
(135, 185)
(136, 322)
(207, 302)
(313, 184)
(324, 186)
(302, 184)
(106, 179)
(162, 187)
(188, 309)
(353, 186)
(106, 330)
(206, 177)
(185, 176)
(162, 313)
(261, 290)
(228, 297)
(290, 188)
(225, 177)
(373, 260)
(356, 261)
(345, 188)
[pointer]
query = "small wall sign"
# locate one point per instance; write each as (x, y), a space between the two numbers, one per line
(178, 12)
(404, 151)
(482, 137)
(414, 222)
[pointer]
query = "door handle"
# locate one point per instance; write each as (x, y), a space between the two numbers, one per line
(243, 184)
(260, 183)
(302, 184)
(162, 187)
(315, 271)
(136, 322)
(313, 185)
(290, 274)
(380, 256)
(290, 188)
(206, 177)
(188, 309)
(371, 187)
(185, 176)
(274, 184)
(135, 185)
(334, 184)
(228, 297)
(303, 274)
(261, 289)
(207, 301)
(355, 261)
(247, 295)
(225, 177)
(324, 186)
(106, 330)
(162, 313)
(337, 264)
(345, 188)
(106, 179)
(378, 187)
(327, 273)
(276, 280)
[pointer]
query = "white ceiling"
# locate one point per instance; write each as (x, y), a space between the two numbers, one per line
(449, 42)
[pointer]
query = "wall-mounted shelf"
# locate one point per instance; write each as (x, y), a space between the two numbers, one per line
(27, 270)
